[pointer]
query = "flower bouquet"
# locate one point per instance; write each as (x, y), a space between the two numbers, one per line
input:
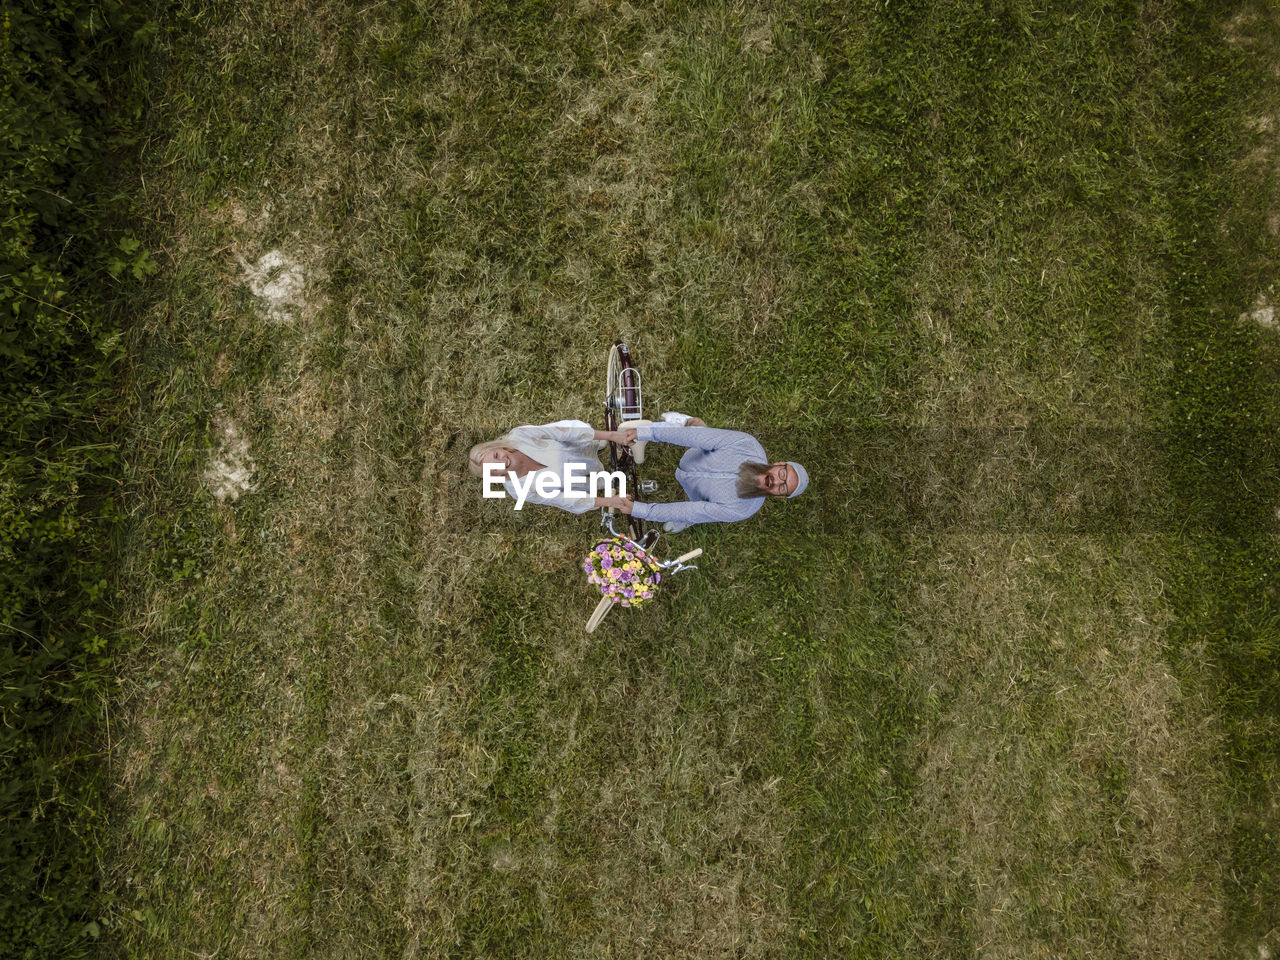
(625, 574)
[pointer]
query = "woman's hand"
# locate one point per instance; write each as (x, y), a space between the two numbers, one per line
(621, 504)
(624, 437)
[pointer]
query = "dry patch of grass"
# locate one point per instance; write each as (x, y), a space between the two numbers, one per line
(230, 470)
(279, 282)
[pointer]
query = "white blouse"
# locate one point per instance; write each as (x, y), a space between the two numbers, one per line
(556, 446)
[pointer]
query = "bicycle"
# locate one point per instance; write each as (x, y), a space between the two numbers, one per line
(623, 408)
(623, 404)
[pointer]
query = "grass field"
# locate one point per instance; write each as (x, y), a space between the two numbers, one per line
(1001, 684)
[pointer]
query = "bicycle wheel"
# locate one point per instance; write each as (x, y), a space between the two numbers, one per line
(613, 379)
(622, 384)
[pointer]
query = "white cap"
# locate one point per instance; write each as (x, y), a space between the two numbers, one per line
(802, 479)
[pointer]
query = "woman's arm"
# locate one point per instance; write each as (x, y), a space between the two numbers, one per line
(559, 500)
(561, 431)
(568, 431)
(613, 436)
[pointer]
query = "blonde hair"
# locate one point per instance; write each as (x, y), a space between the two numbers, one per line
(480, 449)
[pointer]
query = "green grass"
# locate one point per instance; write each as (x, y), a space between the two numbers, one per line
(997, 685)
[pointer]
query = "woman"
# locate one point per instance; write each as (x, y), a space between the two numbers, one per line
(551, 447)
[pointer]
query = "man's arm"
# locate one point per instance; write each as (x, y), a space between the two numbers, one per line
(681, 420)
(704, 438)
(696, 511)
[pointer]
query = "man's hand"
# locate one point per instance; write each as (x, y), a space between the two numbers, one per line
(695, 422)
(628, 436)
(621, 504)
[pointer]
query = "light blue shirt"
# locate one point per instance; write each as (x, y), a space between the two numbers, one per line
(708, 472)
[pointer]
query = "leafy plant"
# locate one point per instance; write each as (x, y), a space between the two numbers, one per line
(63, 142)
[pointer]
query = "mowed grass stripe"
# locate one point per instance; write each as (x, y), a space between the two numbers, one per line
(336, 508)
(1001, 310)
(1222, 395)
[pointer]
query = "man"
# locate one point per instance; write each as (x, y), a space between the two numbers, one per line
(724, 473)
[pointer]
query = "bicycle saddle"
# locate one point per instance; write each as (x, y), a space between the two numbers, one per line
(637, 448)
